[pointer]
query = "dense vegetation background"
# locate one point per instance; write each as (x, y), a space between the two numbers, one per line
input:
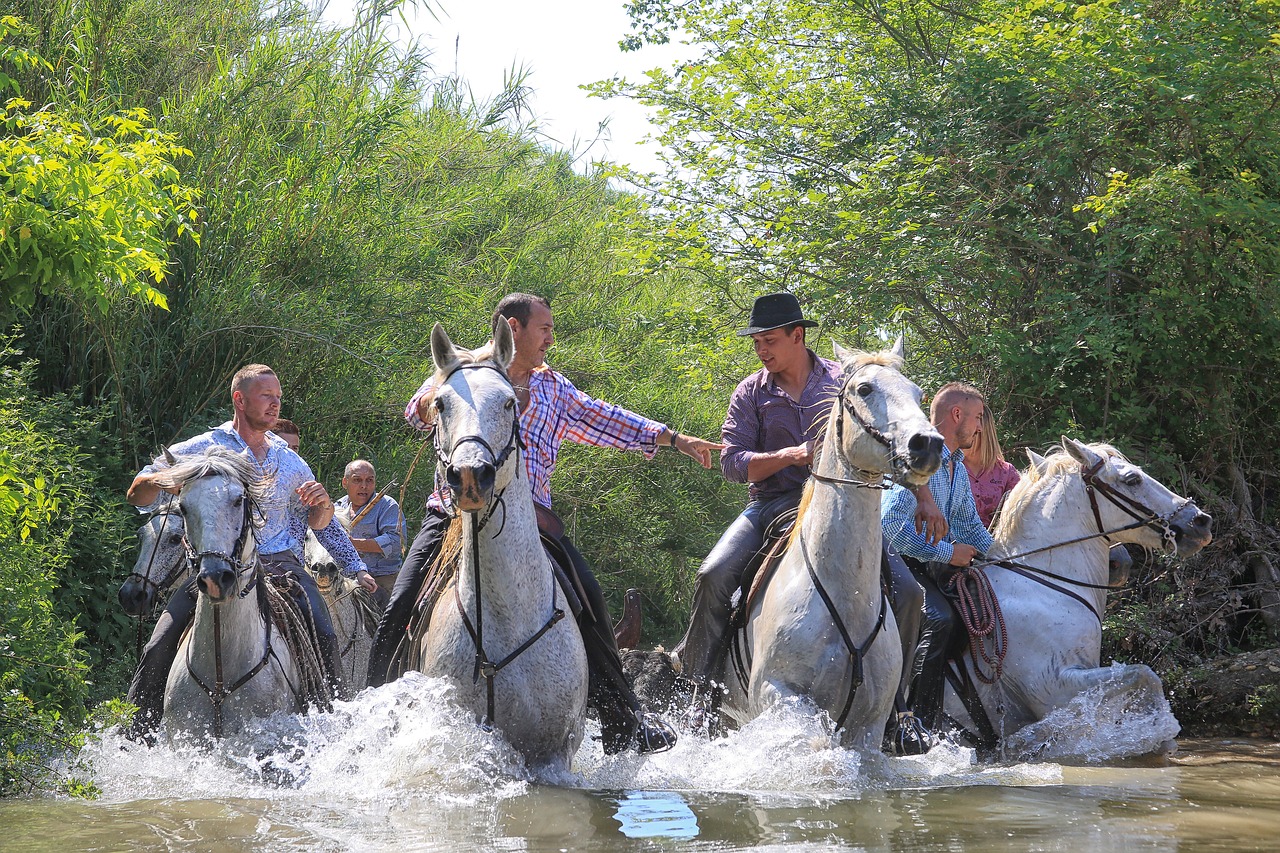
(1071, 204)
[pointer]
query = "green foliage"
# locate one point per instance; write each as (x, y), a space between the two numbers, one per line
(60, 537)
(89, 200)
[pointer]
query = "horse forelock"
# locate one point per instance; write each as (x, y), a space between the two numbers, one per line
(468, 356)
(1036, 478)
(218, 461)
(884, 358)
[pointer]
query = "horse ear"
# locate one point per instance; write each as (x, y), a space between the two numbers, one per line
(169, 457)
(1038, 462)
(504, 343)
(1080, 452)
(442, 350)
(842, 354)
(900, 348)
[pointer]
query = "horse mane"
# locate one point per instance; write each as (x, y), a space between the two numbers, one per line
(217, 461)
(1056, 463)
(884, 358)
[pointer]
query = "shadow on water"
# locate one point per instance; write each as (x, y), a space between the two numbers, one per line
(401, 769)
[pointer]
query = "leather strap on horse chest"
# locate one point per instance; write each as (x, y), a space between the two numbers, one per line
(856, 653)
(484, 666)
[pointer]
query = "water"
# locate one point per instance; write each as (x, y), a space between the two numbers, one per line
(400, 769)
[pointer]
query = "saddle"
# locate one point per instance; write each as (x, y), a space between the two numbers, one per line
(760, 570)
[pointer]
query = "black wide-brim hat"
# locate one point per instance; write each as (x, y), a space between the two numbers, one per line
(773, 311)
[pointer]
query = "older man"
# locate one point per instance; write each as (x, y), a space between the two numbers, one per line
(551, 411)
(376, 526)
(295, 501)
(956, 412)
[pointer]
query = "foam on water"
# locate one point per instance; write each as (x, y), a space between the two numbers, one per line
(1100, 725)
(406, 744)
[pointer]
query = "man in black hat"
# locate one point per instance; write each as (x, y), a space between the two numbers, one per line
(774, 417)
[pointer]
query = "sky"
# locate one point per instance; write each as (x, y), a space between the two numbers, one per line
(564, 44)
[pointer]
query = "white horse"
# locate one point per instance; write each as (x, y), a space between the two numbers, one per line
(1051, 589)
(354, 612)
(161, 563)
(823, 629)
(497, 632)
(232, 664)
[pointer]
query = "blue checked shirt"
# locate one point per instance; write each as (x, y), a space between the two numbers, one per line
(285, 516)
(954, 498)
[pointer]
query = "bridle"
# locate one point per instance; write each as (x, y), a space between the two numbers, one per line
(219, 692)
(846, 406)
(514, 442)
(179, 567)
(485, 667)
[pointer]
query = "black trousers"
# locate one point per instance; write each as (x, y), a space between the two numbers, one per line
(608, 690)
(937, 633)
(150, 679)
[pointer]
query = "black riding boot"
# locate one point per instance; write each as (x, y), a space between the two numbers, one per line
(623, 722)
(932, 654)
(149, 681)
(387, 640)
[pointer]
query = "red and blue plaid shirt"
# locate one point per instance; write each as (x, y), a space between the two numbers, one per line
(559, 411)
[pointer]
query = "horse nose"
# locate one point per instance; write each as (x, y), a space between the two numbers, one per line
(472, 484)
(217, 580)
(1203, 521)
(133, 598)
(925, 450)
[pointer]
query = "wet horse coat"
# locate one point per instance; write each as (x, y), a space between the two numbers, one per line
(497, 632)
(1052, 608)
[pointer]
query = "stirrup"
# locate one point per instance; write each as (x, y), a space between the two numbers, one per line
(653, 734)
(911, 736)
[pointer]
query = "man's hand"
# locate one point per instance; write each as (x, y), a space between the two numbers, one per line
(314, 496)
(366, 581)
(963, 554)
(143, 491)
(697, 449)
(930, 522)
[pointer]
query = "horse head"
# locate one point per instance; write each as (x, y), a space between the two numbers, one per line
(477, 421)
(896, 437)
(218, 493)
(161, 560)
(1123, 495)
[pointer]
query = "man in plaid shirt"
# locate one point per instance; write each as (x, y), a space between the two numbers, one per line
(551, 411)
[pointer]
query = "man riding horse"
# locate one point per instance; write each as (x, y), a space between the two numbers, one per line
(774, 417)
(956, 412)
(551, 411)
(296, 501)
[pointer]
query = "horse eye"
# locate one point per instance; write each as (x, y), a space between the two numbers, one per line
(864, 389)
(239, 501)
(1131, 479)
(175, 539)
(438, 404)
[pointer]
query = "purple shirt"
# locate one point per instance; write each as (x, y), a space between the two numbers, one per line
(990, 487)
(763, 418)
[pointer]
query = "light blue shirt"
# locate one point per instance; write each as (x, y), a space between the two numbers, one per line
(284, 513)
(384, 524)
(954, 497)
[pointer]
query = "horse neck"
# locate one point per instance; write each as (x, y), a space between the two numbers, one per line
(842, 520)
(241, 626)
(1059, 513)
(511, 558)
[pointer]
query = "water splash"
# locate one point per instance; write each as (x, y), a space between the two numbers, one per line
(1099, 725)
